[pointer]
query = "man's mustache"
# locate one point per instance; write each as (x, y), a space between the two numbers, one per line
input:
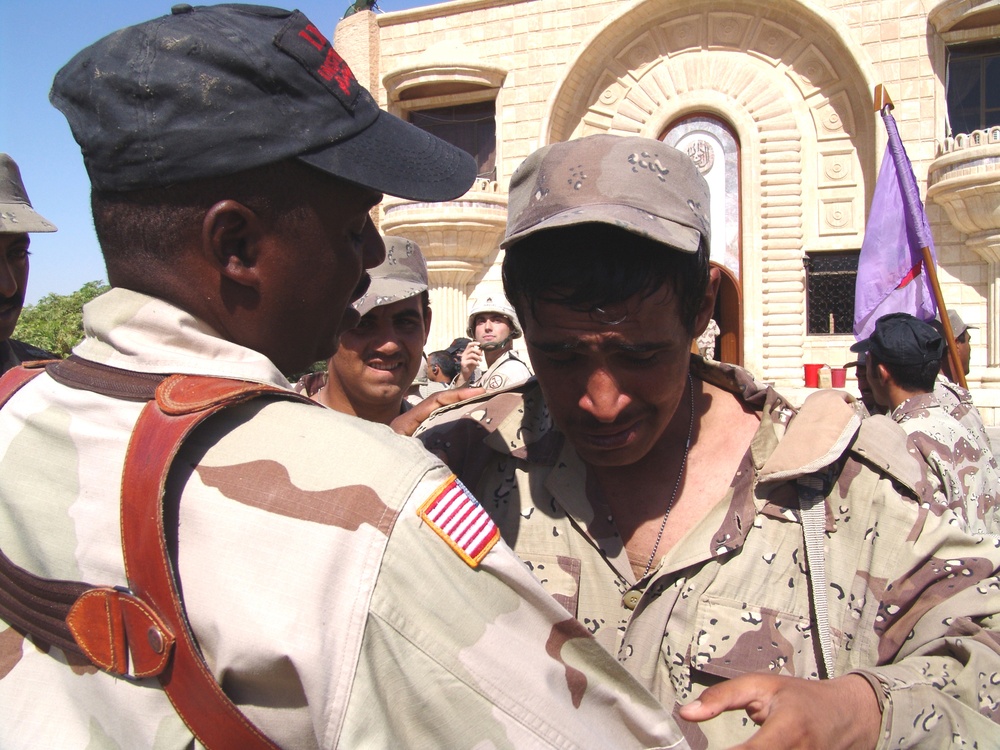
(16, 301)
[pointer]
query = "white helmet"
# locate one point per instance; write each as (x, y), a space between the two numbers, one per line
(498, 305)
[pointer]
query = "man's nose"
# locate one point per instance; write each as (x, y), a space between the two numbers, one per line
(602, 398)
(374, 246)
(385, 341)
(8, 283)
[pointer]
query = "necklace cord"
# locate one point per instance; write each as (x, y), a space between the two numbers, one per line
(677, 484)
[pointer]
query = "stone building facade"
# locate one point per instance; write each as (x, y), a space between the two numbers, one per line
(774, 101)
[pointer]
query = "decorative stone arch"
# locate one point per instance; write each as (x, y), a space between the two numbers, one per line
(963, 15)
(795, 89)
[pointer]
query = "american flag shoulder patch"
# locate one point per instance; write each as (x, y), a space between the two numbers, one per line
(457, 518)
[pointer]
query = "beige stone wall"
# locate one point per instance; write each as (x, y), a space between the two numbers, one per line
(794, 80)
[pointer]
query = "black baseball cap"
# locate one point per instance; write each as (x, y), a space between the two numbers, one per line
(213, 90)
(901, 339)
(457, 346)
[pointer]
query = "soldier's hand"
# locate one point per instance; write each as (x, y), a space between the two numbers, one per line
(408, 422)
(472, 355)
(796, 713)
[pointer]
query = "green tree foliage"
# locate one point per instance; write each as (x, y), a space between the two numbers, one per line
(55, 323)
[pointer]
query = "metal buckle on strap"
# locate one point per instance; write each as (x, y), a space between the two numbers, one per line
(120, 633)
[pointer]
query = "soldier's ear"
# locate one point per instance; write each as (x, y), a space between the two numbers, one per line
(882, 373)
(231, 238)
(707, 309)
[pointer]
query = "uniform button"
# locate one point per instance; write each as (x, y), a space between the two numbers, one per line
(631, 598)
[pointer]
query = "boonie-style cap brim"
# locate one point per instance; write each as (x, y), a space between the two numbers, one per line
(402, 274)
(385, 292)
(958, 326)
(20, 218)
(16, 214)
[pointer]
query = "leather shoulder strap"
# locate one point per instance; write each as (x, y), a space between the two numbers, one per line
(82, 374)
(182, 403)
(16, 378)
(148, 622)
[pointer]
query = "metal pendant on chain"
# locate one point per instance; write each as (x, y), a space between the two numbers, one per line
(677, 484)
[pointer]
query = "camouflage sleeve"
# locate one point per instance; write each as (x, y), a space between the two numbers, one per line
(963, 476)
(937, 629)
(939, 479)
(508, 667)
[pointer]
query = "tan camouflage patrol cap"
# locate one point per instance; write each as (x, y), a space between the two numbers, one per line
(958, 326)
(403, 274)
(637, 184)
(16, 214)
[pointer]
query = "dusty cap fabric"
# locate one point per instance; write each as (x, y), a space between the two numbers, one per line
(637, 184)
(403, 274)
(16, 214)
(958, 326)
(901, 339)
(213, 90)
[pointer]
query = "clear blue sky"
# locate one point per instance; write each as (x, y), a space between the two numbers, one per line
(37, 37)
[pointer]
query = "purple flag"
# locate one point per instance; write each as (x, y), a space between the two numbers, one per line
(891, 273)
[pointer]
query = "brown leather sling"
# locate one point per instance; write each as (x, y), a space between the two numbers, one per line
(145, 625)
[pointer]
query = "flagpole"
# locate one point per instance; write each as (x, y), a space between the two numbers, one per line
(883, 103)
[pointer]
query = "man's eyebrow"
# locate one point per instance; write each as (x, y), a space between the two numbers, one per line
(574, 344)
(415, 314)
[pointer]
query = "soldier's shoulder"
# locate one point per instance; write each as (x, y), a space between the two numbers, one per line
(885, 447)
(489, 408)
(310, 439)
(26, 352)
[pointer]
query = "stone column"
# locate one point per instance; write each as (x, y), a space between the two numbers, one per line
(987, 245)
(460, 240)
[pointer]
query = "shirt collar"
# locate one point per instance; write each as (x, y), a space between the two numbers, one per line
(134, 331)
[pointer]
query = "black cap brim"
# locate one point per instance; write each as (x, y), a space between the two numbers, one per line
(397, 158)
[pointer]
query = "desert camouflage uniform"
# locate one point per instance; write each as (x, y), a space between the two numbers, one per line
(507, 371)
(964, 471)
(957, 401)
(331, 613)
(912, 599)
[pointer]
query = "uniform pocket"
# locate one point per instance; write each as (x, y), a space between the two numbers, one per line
(735, 638)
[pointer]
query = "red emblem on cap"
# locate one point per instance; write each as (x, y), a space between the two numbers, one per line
(302, 40)
(333, 68)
